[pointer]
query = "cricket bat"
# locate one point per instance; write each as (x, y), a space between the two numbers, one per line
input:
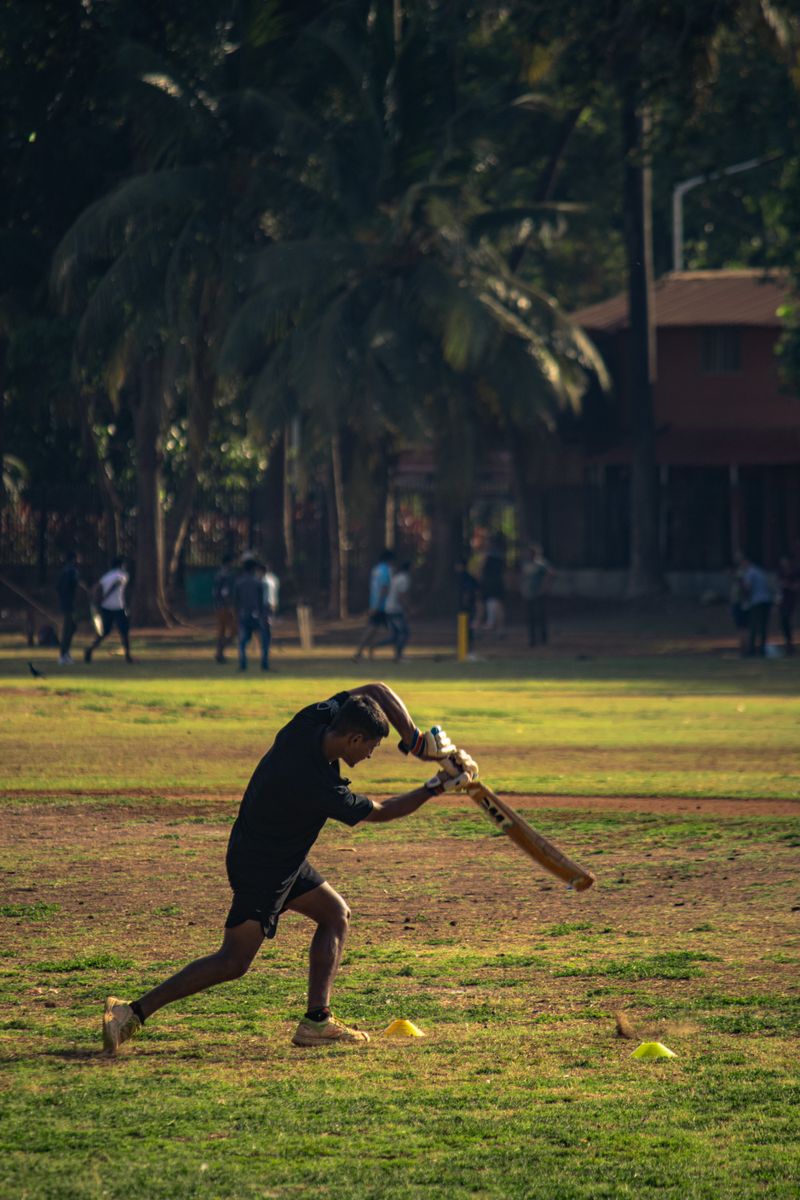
(502, 816)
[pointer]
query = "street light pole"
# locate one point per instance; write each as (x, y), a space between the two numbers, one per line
(680, 190)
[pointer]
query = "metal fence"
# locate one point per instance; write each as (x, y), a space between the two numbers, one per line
(579, 526)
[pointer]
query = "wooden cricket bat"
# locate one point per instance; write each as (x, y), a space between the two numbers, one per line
(502, 815)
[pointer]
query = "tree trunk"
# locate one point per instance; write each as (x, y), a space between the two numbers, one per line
(454, 490)
(338, 532)
(112, 501)
(202, 389)
(150, 603)
(287, 503)
(645, 576)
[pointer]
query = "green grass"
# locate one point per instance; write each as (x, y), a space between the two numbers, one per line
(121, 792)
(683, 727)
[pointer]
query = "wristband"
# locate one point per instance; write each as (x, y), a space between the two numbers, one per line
(435, 786)
(414, 746)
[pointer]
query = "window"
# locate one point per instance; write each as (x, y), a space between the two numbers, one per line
(720, 350)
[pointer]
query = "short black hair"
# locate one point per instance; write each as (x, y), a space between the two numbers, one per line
(386, 555)
(360, 714)
(118, 560)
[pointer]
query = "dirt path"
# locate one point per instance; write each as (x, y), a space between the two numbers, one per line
(177, 801)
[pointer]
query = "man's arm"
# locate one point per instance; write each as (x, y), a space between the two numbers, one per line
(400, 806)
(396, 712)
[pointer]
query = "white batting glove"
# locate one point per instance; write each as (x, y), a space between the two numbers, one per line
(431, 746)
(454, 774)
(461, 759)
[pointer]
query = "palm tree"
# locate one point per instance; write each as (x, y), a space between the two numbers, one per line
(396, 313)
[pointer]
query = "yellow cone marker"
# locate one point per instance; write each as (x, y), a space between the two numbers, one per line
(653, 1050)
(403, 1029)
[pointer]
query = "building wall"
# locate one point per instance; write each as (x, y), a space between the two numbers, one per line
(750, 399)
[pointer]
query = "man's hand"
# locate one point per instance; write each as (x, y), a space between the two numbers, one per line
(455, 773)
(431, 746)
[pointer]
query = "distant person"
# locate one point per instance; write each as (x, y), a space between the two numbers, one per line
(224, 581)
(757, 601)
(272, 588)
(248, 595)
(535, 576)
(493, 588)
(739, 613)
(67, 585)
(109, 596)
(396, 619)
(379, 582)
(788, 587)
(467, 589)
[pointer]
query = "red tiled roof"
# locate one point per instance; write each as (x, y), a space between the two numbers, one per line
(699, 298)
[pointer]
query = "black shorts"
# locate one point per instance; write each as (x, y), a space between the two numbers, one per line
(267, 907)
(115, 616)
(378, 618)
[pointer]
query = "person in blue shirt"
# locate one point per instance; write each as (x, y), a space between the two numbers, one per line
(380, 581)
(757, 602)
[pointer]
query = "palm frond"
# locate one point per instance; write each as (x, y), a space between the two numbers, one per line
(131, 284)
(104, 228)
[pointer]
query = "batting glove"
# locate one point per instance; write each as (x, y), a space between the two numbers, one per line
(431, 746)
(455, 773)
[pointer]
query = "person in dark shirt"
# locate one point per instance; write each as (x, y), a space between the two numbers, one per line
(248, 598)
(294, 790)
(67, 584)
(224, 582)
(788, 588)
(493, 585)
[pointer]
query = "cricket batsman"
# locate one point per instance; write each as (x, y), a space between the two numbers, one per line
(295, 788)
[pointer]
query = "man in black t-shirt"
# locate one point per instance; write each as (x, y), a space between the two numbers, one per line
(67, 585)
(295, 788)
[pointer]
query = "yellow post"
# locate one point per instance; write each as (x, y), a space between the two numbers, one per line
(462, 644)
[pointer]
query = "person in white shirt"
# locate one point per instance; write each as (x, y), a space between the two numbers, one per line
(399, 632)
(271, 587)
(109, 596)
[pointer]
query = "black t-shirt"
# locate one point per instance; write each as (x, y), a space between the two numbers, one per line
(66, 586)
(292, 793)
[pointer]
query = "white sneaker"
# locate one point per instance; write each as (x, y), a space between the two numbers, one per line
(65, 660)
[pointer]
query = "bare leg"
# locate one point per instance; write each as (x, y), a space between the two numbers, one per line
(367, 638)
(328, 909)
(239, 947)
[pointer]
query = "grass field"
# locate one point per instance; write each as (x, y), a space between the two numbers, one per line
(674, 778)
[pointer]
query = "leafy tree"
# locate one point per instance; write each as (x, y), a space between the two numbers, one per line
(394, 311)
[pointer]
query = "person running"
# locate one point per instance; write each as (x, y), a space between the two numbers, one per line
(224, 581)
(109, 596)
(295, 789)
(67, 584)
(248, 598)
(379, 582)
